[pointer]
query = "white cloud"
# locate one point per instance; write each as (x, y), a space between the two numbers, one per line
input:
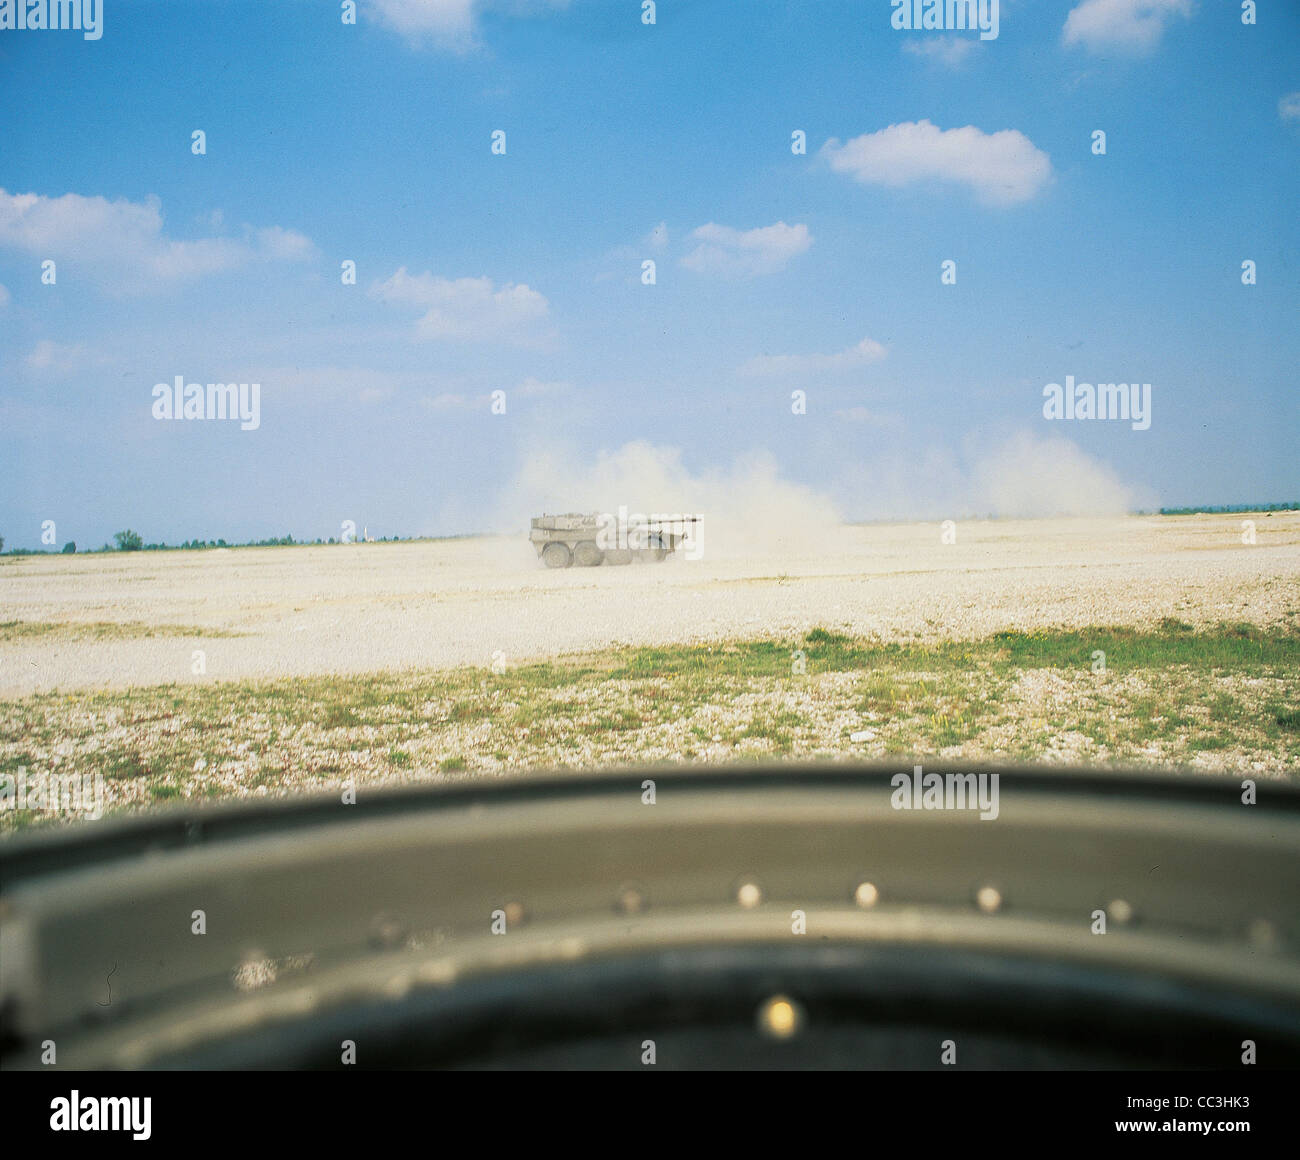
(448, 21)
(369, 386)
(60, 359)
(867, 417)
(312, 385)
(449, 24)
(532, 388)
(739, 254)
(447, 402)
(529, 388)
(1134, 26)
(123, 241)
(865, 352)
(46, 354)
(950, 51)
(1288, 108)
(471, 309)
(1002, 168)
(624, 261)
(283, 245)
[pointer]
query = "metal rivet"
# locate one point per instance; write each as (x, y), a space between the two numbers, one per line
(749, 895)
(780, 1018)
(988, 900)
(1262, 933)
(631, 900)
(866, 895)
(386, 931)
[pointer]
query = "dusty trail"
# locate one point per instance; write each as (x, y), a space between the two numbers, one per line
(374, 607)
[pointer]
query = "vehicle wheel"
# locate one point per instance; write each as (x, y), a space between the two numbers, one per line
(618, 556)
(556, 555)
(655, 551)
(587, 555)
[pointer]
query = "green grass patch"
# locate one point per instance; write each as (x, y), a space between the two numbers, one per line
(21, 631)
(1221, 697)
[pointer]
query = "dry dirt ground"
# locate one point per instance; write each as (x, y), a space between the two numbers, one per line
(124, 620)
(345, 667)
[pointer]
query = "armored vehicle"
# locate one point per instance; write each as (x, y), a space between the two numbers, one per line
(591, 539)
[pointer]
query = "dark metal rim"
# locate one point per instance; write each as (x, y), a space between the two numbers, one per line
(181, 826)
(839, 991)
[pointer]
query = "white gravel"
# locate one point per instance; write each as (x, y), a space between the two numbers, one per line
(370, 607)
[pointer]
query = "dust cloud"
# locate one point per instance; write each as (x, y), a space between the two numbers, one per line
(748, 509)
(1020, 476)
(1029, 477)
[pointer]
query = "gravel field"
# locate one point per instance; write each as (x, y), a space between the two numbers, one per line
(133, 619)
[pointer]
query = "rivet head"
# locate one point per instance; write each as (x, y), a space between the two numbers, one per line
(1262, 934)
(988, 899)
(385, 931)
(749, 895)
(631, 900)
(780, 1018)
(866, 895)
(1120, 911)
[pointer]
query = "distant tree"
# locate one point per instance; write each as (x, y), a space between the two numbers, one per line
(70, 547)
(2, 543)
(129, 541)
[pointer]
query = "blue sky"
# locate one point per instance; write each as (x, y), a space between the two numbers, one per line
(628, 142)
